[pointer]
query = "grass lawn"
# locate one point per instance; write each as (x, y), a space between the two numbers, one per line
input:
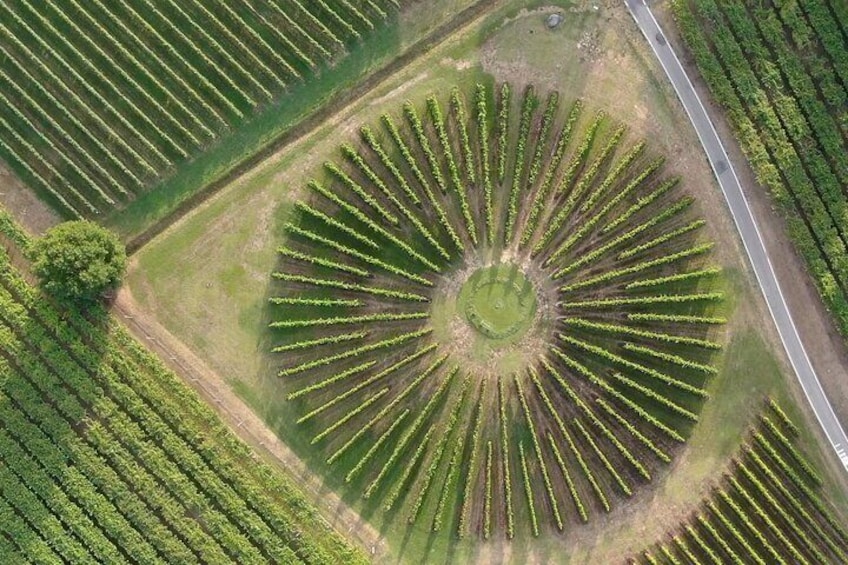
(207, 278)
(499, 301)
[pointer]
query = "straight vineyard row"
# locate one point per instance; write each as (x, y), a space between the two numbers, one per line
(777, 102)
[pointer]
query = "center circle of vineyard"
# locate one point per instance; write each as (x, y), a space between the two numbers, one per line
(498, 301)
(490, 300)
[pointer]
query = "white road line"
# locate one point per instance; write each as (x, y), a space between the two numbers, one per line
(743, 217)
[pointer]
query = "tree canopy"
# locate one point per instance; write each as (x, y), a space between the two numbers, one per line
(79, 261)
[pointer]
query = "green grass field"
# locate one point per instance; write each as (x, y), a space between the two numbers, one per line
(499, 302)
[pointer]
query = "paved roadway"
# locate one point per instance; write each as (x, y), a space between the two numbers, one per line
(747, 226)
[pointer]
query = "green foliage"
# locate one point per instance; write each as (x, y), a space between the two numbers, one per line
(78, 261)
(409, 434)
(103, 102)
(504, 102)
(487, 503)
(788, 112)
(537, 448)
(395, 402)
(461, 119)
(10, 229)
(528, 107)
(355, 352)
(542, 141)
(482, 115)
(528, 491)
(80, 402)
(541, 195)
(436, 117)
(441, 445)
(472, 467)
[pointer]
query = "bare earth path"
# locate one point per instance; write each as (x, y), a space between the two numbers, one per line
(747, 227)
(244, 422)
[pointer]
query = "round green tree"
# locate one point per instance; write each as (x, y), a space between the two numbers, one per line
(79, 261)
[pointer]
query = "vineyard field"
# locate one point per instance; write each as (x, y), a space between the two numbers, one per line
(780, 72)
(495, 306)
(766, 508)
(104, 101)
(414, 239)
(108, 457)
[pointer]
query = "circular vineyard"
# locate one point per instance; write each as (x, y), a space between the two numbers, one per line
(495, 315)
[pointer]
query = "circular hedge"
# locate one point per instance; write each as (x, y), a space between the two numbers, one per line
(495, 315)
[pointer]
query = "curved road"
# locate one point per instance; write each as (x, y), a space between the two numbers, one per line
(745, 223)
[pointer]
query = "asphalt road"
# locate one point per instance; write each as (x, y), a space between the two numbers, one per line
(747, 226)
